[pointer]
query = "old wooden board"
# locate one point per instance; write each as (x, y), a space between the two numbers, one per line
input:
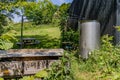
(16, 62)
(30, 54)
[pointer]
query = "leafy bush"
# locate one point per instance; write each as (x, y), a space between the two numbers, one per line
(7, 38)
(72, 37)
(69, 37)
(2, 22)
(40, 12)
(60, 70)
(27, 78)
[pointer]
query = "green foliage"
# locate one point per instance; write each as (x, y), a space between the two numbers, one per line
(117, 27)
(27, 78)
(72, 37)
(60, 70)
(48, 11)
(6, 8)
(1, 79)
(7, 38)
(63, 9)
(63, 15)
(41, 74)
(106, 42)
(67, 34)
(2, 22)
(5, 45)
(40, 12)
(102, 64)
(1, 29)
(6, 35)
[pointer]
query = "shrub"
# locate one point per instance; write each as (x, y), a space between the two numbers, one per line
(71, 37)
(7, 38)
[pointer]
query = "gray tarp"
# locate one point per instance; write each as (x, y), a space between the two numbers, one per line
(101, 10)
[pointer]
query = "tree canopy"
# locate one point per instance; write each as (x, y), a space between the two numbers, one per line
(40, 12)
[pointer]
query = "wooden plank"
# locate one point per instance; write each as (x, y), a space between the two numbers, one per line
(22, 53)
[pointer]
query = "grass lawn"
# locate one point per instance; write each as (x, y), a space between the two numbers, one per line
(47, 34)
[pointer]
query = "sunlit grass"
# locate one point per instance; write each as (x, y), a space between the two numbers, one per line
(48, 34)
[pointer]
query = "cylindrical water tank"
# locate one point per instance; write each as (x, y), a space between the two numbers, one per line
(89, 37)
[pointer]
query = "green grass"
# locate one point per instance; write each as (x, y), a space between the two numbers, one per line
(47, 34)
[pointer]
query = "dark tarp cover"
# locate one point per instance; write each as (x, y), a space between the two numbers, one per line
(100, 10)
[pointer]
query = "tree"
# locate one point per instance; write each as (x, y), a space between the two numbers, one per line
(63, 15)
(6, 7)
(40, 12)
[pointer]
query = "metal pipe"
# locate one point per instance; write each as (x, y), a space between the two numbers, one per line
(21, 33)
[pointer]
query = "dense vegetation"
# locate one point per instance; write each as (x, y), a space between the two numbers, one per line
(103, 64)
(41, 12)
(69, 37)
